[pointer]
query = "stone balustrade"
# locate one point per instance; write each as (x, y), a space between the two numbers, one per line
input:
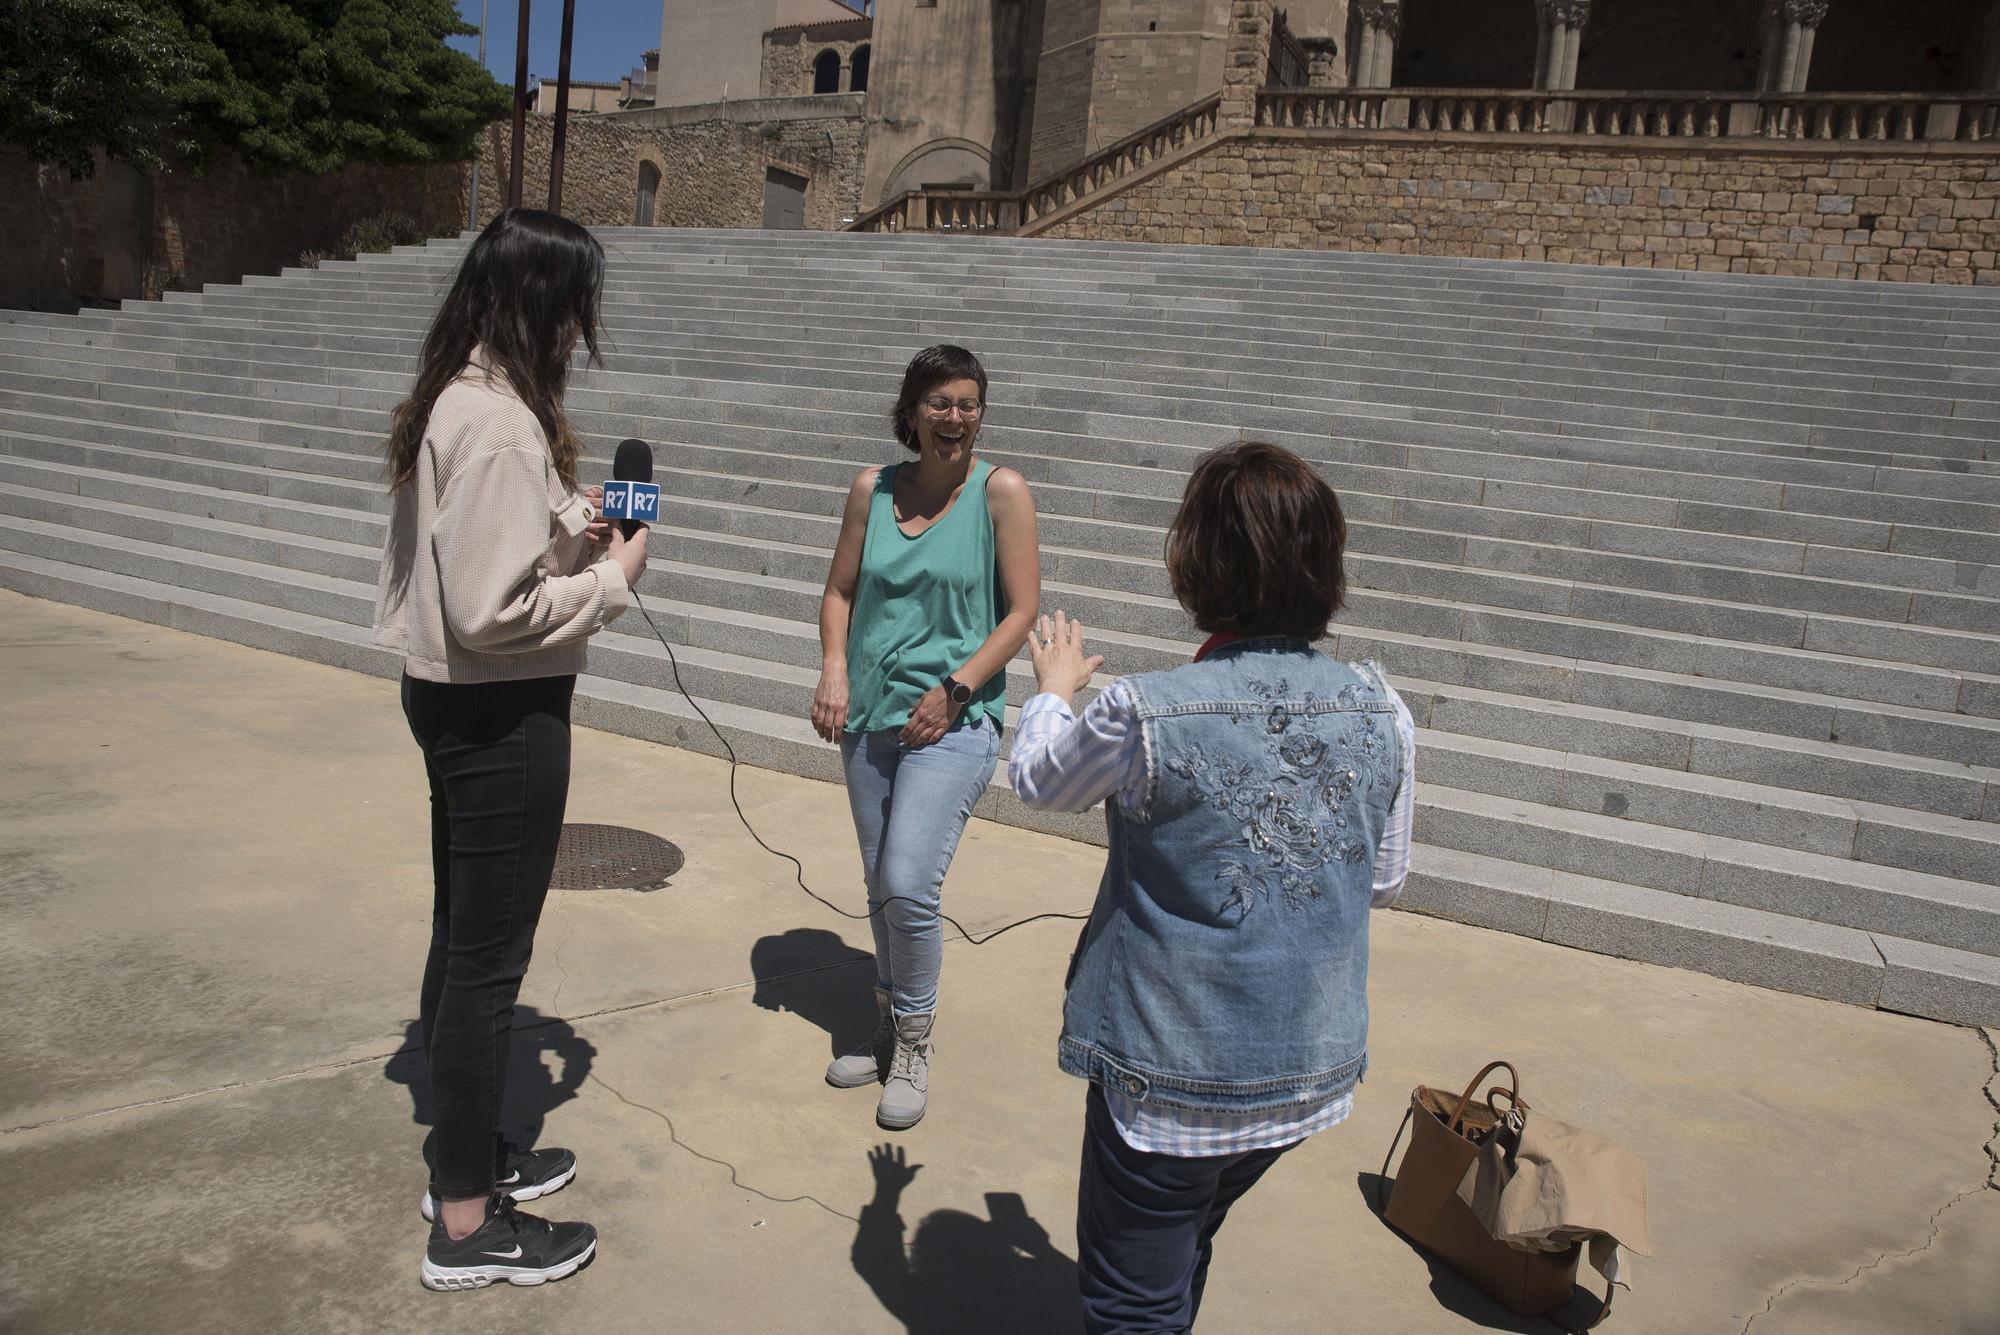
(980, 210)
(1849, 117)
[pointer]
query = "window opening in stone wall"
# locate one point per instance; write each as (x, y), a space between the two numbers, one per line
(857, 81)
(649, 189)
(826, 73)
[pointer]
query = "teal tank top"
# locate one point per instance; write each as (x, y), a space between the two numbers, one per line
(922, 607)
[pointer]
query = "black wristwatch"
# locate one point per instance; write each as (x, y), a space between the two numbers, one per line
(957, 690)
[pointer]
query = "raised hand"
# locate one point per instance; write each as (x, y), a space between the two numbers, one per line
(1061, 665)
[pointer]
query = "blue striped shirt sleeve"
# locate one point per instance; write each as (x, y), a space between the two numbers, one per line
(1064, 763)
(1392, 858)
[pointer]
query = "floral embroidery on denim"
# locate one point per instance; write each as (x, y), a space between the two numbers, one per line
(1295, 821)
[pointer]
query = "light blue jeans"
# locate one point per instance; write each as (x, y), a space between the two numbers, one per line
(910, 807)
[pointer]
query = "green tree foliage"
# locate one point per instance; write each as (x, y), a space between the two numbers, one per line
(289, 85)
(78, 75)
(310, 85)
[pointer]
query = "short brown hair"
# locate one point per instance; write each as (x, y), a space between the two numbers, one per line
(1256, 548)
(939, 364)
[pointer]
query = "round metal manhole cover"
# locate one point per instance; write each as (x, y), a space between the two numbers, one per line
(613, 857)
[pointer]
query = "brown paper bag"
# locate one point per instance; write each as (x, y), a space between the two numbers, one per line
(1447, 1134)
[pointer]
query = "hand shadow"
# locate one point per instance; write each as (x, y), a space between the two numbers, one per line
(1455, 1293)
(963, 1275)
(533, 1089)
(816, 975)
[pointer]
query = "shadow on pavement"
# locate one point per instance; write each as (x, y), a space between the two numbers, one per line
(548, 1064)
(960, 1274)
(802, 971)
(1455, 1293)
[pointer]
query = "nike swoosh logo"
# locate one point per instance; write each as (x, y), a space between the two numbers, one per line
(505, 1256)
(514, 1176)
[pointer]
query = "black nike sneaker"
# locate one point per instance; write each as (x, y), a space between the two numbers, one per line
(525, 1175)
(510, 1246)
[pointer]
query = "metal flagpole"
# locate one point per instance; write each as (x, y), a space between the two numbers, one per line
(562, 110)
(479, 150)
(520, 107)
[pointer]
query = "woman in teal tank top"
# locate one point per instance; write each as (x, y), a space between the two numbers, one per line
(936, 579)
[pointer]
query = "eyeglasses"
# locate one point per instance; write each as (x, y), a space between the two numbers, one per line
(967, 408)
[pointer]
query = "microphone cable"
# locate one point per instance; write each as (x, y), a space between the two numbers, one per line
(799, 868)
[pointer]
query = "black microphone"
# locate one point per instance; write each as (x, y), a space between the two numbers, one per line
(632, 463)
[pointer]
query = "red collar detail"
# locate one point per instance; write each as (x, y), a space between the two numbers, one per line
(1214, 642)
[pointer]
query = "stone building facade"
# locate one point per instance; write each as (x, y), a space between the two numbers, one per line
(700, 166)
(815, 59)
(1540, 130)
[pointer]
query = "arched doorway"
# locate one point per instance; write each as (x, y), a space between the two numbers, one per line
(649, 190)
(826, 73)
(857, 81)
(953, 163)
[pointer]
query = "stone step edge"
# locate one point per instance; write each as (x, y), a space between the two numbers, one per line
(1076, 291)
(1708, 791)
(1467, 453)
(1132, 355)
(1745, 945)
(340, 587)
(1965, 680)
(1914, 765)
(1655, 416)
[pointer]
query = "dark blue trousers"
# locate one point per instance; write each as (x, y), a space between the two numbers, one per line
(1146, 1225)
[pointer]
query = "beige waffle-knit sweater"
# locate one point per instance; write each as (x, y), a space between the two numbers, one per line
(487, 574)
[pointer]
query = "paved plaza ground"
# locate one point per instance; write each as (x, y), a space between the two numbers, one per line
(214, 901)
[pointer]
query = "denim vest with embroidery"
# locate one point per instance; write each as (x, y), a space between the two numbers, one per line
(1225, 965)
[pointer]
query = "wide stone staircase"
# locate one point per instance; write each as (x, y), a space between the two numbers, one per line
(1692, 582)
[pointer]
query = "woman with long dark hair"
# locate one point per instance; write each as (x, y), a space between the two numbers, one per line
(935, 579)
(495, 574)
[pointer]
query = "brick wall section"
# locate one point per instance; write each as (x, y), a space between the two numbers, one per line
(213, 228)
(1063, 86)
(711, 172)
(1916, 217)
(1141, 76)
(51, 256)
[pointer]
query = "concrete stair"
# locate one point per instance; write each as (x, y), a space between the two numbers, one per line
(1692, 582)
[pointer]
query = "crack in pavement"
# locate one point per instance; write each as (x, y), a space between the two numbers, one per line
(1992, 1182)
(673, 1134)
(569, 933)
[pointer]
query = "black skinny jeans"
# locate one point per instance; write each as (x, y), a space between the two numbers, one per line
(498, 758)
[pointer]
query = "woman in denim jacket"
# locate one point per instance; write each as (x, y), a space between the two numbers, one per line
(1260, 804)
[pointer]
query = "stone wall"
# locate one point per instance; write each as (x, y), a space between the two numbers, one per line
(1063, 86)
(951, 87)
(1918, 217)
(119, 234)
(1110, 67)
(711, 162)
(790, 55)
(1153, 58)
